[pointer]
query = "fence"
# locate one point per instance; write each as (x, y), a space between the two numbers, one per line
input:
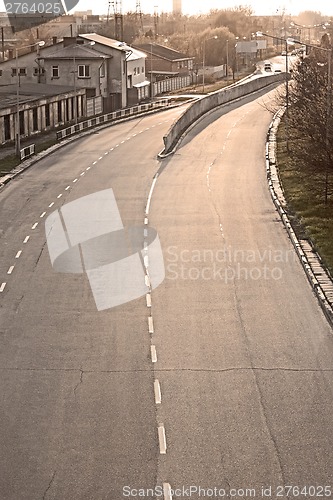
(109, 117)
(171, 84)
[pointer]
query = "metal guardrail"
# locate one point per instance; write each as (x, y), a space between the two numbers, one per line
(27, 152)
(109, 117)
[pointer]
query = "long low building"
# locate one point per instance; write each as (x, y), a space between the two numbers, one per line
(42, 107)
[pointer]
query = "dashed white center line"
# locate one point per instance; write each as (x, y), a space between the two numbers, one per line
(146, 220)
(106, 153)
(150, 324)
(35, 225)
(167, 491)
(162, 439)
(10, 270)
(134, 135)
(82, 173)
(94, 162)
(157, 392)
(75, 180)
(42, 215)
(148, 299)
(146, 261)
(26, 239)
(59, 195)
(88, 168)
(100, 157)
(51, 204)
(116, 146)
(111, 149)
(2, 287)
(17, 256)
(122, 142)
(153, 354)
(147, 281)
(67, 188)
(145, 233)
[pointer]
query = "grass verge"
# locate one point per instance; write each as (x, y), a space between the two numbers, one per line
(310, 217)
(11, 161)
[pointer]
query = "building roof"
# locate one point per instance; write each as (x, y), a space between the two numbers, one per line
(30, 92)
(77, 51)
(163, 52)
(115, 44)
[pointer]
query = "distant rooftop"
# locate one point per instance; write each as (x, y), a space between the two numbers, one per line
(30, 92)
(163, 52)
(76, 50)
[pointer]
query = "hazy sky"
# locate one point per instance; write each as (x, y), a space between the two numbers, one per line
(261, 7)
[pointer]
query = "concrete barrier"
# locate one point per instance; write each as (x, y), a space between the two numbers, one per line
(211, 101)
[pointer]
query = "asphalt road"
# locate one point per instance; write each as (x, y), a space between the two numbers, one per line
(243, 351)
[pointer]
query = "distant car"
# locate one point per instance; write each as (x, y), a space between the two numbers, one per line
(283, 53)
(277, 71)
(267, 66)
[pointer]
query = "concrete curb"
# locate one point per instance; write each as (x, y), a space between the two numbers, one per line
(318, 276)
(162, 155)
(39, 156)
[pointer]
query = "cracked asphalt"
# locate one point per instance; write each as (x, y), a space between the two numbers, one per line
(244, 353)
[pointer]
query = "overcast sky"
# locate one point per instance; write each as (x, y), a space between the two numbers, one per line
(261, 7)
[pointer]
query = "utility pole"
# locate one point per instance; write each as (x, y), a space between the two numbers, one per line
(139, 17)
(118, 20)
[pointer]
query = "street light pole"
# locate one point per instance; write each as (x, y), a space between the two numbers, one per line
(227, 60)
(203, 65)
(328, 114)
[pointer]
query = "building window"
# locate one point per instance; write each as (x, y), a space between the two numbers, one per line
(36, 71)
(13, 71)
(21, 121)
(55, 72)
(102, 71)
(83, 71)
(35, 119)
(59, 111)
(7, 127)
(142, 69)
(190, 64)
(138, 70)
(0, 72)
(134, 71)
(47, 115)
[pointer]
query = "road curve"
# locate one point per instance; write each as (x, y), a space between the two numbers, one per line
(240, 392)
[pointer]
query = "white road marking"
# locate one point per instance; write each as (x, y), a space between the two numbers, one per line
(167, 491)
(111, 149)
(147, 281)
(106, 153)
(82, 173)
(162, 439)
(157, 392)
(17, 256)
(42, 215)
(2, 287)
(151, 194)
(134, 135)
(59, 195)
(153, 354)
(150, 324)
(10, 270)
(75, 180)
(94, 162)
(26, 239)
(146, 220)
(67, 188)
(117, 145)
(88, 168)
(51, 204)
(145, 233)
(146, 261)
(122, 142)
(148, 299)
(100, 157)
(35, 225)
